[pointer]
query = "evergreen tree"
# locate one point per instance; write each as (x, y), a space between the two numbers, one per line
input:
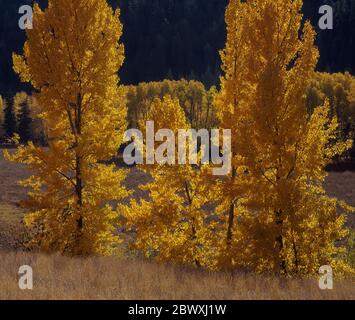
(10, 123)
(24, 123)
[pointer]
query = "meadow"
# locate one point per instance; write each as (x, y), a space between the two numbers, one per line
(57, 277)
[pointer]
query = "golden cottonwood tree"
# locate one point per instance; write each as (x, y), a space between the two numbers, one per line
(279, 218)
(71, 58)
(230, 115)
(171, 225)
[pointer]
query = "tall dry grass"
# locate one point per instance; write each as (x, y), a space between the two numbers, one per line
(57, 277)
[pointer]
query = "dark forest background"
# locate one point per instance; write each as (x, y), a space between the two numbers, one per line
(174, 39)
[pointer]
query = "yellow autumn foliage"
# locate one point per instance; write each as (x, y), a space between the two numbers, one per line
(280, 219)
(270, 214)
(71, 58)
(171, 225)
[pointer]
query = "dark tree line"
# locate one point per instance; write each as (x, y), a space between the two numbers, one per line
(174, 39)
(17, 118)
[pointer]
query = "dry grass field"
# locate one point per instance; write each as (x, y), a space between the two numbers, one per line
(57, 277)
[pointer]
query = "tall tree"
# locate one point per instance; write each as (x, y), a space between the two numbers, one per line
(172, 225)
(283, 216)
(71, 57)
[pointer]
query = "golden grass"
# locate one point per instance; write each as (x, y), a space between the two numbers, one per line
(57, 277)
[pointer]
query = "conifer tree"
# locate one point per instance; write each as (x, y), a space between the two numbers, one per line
(10, 123)
(23, 114)
(24, 123)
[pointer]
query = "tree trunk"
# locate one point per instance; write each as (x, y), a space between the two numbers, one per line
(279, 241)
(78, 164)
(231, 215)
(193, 235)
(79, 189)
(295, 251)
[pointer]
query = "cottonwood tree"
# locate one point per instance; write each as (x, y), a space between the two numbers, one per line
(71, 58)
(231, 115)
(279, 216)
(171, 224)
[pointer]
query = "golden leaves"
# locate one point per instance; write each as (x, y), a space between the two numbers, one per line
(270, 214)
(71, 57)
(282, 152)
(21, 68)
